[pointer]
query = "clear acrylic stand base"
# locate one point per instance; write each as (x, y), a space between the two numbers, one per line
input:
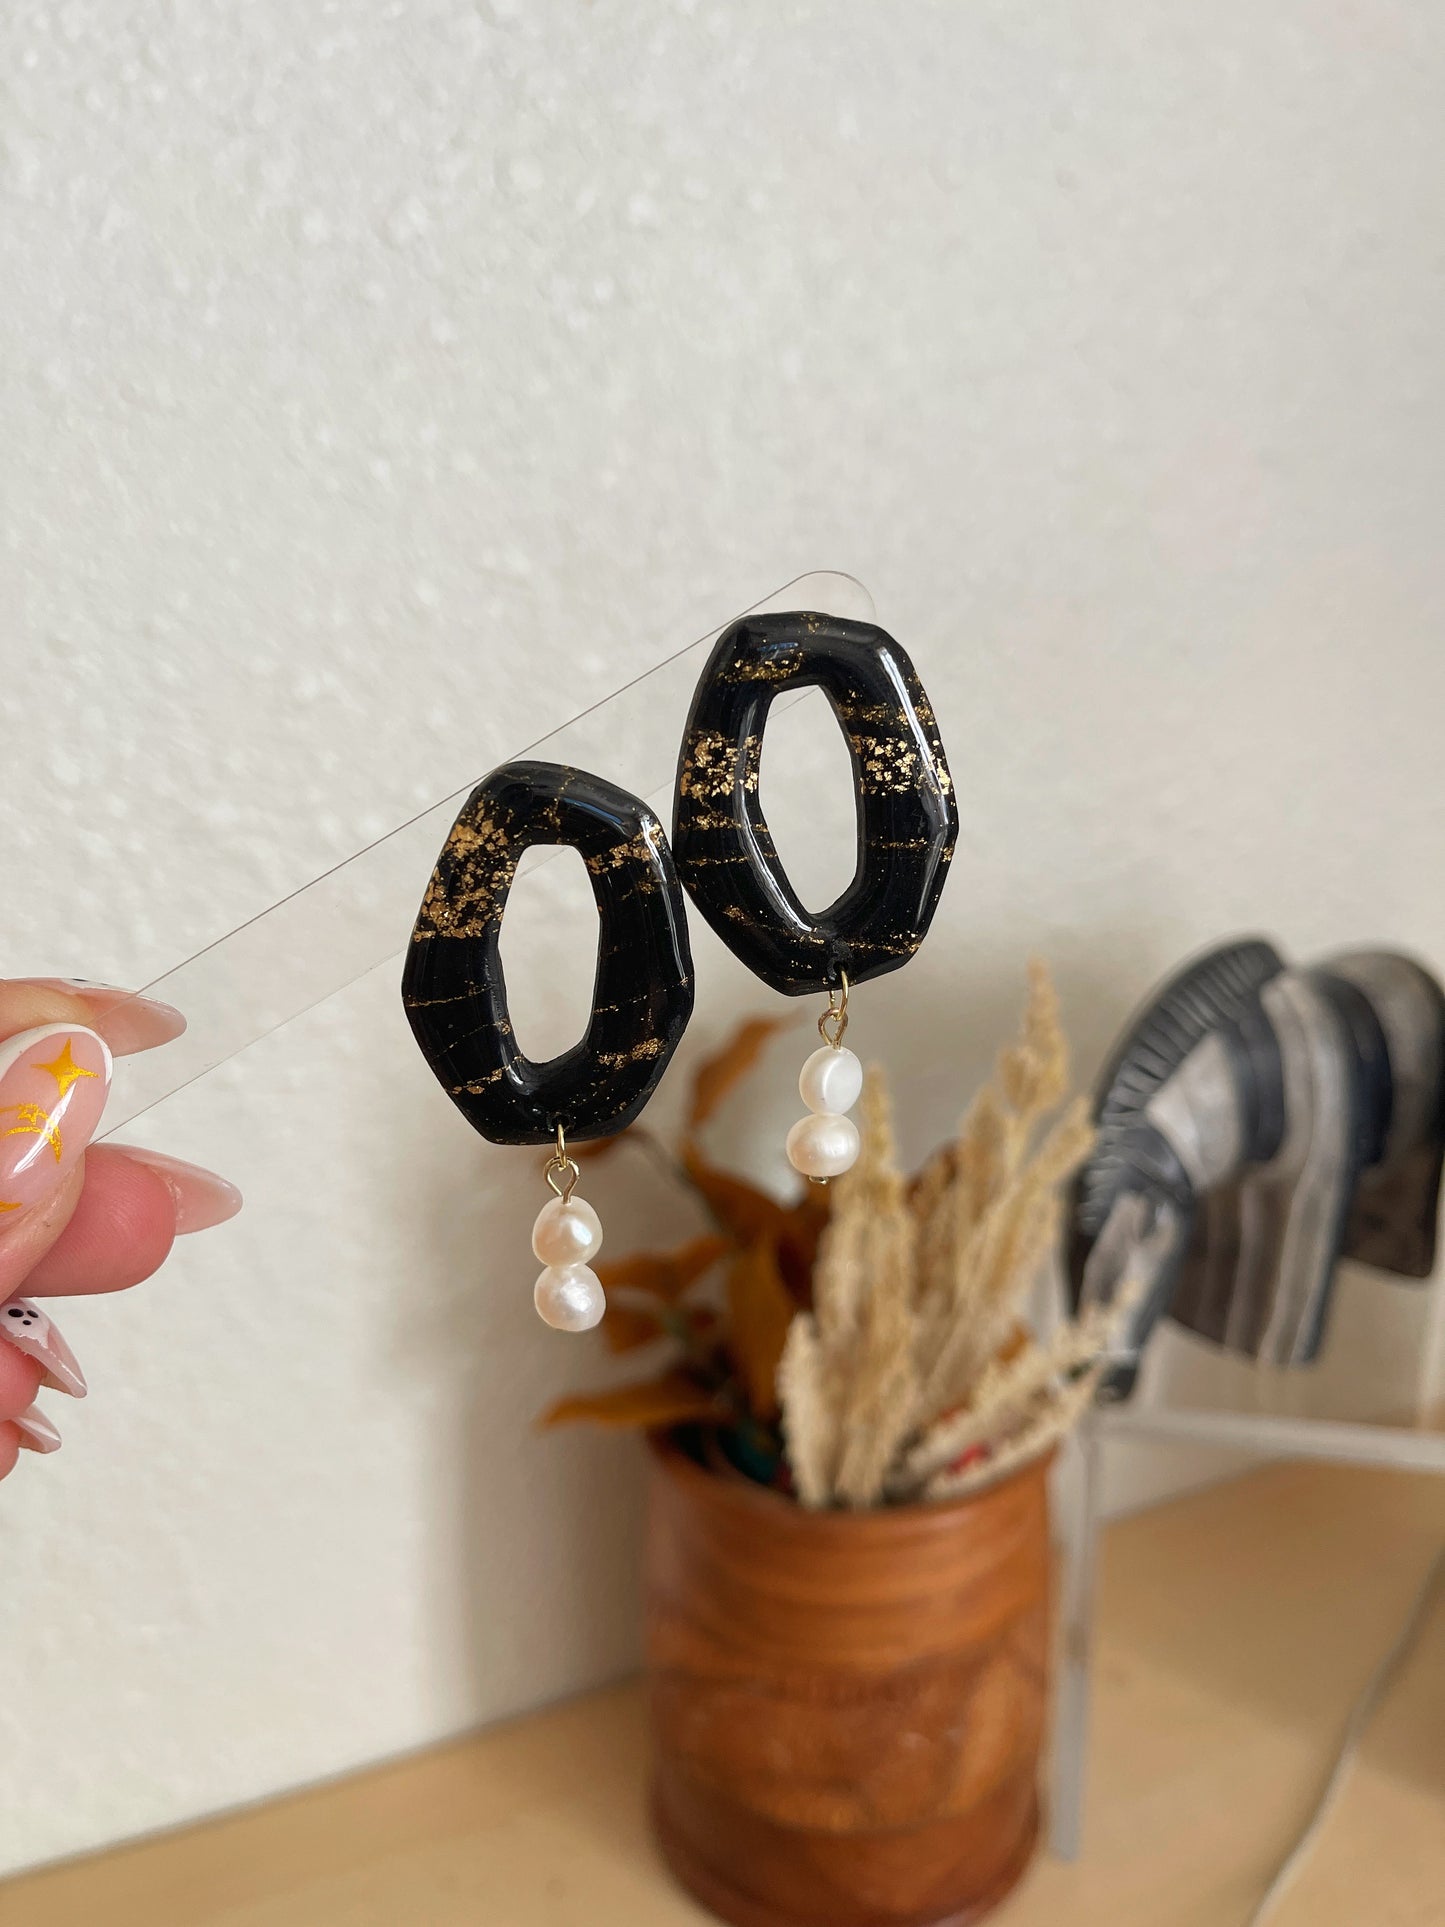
(1403, 1448)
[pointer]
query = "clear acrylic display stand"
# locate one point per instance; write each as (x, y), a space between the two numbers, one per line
(1417, 1446)
(333, 931)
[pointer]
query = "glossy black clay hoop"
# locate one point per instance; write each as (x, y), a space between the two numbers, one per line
(453, 988)
(907, 817)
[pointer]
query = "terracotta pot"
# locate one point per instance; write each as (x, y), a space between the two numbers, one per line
(847, 1708)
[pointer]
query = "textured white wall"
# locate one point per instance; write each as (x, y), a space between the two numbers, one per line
(383, 381)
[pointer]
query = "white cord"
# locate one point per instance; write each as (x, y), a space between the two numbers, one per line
(1361, 1714)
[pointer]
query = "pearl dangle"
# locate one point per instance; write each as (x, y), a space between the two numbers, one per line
(568, 1232)
(825, 1143)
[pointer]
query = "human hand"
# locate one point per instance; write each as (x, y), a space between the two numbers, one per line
(73, 1220)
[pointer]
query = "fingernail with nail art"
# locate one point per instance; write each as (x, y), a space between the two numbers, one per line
(29, 1329)
(127, 1020)
(37, 1434)
(203, 1197)
(53, 1085)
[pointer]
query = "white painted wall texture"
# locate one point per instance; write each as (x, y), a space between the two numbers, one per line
(380, 383)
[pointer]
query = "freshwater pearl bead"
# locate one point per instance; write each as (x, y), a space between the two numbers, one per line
(566, 1232)
(822, 1145)
(569, 1298)
(830, 1080)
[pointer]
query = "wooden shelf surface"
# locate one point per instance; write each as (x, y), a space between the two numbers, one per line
(1236, 1628)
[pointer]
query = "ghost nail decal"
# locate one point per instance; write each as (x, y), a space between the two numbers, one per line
(25, 1326)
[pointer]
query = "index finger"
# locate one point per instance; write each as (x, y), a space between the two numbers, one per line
(127, 1022)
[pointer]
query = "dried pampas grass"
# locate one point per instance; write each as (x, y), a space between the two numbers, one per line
(913, 1376)
(867, 1343)
(849, 1376)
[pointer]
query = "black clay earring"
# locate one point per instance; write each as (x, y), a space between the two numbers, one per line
(456, 997)
(907, 824)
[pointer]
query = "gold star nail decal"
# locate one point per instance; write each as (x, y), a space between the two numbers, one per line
(35, 1121)
(64, 1070)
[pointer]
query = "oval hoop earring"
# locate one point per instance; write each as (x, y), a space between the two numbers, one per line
(907, 827)
(455, 994)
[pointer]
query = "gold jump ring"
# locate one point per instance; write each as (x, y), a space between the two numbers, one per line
(560, 1166)
(834, 1020)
